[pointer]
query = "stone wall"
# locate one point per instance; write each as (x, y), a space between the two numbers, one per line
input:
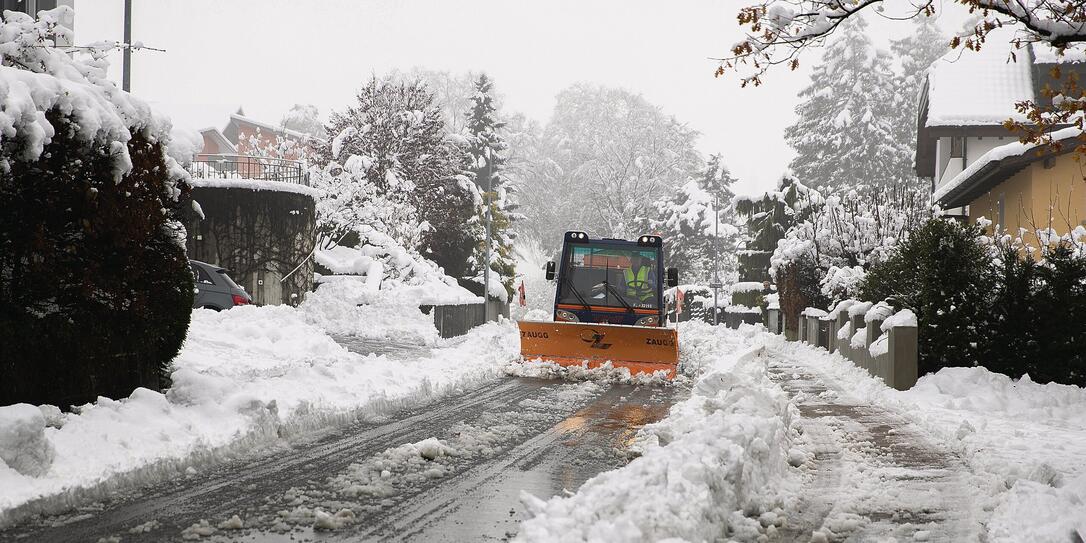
(259, 235)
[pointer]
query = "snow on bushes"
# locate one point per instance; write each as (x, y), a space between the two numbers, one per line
(716, 464)
(993, 302)
(93, 259)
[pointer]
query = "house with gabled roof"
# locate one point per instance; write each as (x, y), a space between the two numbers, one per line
(979, 169)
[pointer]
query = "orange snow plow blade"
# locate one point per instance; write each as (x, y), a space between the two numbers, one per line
(640, 349)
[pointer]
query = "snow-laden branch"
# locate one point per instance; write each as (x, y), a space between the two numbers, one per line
(777, 31)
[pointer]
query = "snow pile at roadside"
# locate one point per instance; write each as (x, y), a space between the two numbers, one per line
(244, 379)
(23, 446)
(981, 391)
(716, 466)
(351, 308)
(1027, 441)
(395, 271)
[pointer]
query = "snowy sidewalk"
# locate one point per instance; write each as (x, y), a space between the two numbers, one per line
(965, 455)
(870, 474)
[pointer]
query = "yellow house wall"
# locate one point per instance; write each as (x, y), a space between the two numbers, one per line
(1038, 197)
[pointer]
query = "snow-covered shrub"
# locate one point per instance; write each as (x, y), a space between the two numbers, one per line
(1035, 320)
(840, 283)
(95, 290)
(852, 229)
(997, 303)
(941, 272)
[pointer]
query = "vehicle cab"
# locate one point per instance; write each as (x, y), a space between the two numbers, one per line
(611, 281)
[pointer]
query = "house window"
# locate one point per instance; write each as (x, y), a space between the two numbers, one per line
(957, 147)
(31, 7)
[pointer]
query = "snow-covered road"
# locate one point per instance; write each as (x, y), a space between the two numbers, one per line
(402, 439)
(450, 471)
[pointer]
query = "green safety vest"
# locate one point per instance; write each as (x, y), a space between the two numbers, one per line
(643, 277)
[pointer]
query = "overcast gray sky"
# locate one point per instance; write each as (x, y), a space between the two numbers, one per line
(269, 54)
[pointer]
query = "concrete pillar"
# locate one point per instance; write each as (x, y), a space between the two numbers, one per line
(878, 366)
(801, 333)
(825, 334)
(812, 331)
(904, 351)
(842, 344)
(774, 320)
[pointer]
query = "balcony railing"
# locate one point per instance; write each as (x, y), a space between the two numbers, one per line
(249, 167)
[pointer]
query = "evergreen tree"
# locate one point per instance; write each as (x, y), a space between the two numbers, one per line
(689, 220)
(486, 155)
(394, 140)
(845, 133)
(768, 219)
(916, 52)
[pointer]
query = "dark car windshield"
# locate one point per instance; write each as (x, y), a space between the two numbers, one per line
(606, 275)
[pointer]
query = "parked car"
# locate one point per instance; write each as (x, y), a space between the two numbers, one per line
(215, 289)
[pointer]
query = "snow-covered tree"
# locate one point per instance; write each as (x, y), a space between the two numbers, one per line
(915, 52)
(779, 31)
(845, 132)
(305, 118)
(689, 222)
(603, 161)
(486, 149)
(847, 231)
(393, 142)
(452, 91)
(768, 217)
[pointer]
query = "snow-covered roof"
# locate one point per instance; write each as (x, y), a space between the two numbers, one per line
(972, 88)
(1043, 53)
(951, 192)
(269, 126)
(199, 117)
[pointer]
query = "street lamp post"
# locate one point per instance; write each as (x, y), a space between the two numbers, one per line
(486, 263)
(126, 72)
(716, 284)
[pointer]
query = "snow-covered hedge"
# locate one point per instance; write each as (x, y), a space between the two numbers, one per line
(96, 289)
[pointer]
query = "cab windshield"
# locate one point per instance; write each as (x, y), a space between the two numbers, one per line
(608, 275)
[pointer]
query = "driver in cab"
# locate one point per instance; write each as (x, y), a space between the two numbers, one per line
(639, 280)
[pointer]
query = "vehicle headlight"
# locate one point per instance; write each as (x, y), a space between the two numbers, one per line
(564, 315)
(651, 320)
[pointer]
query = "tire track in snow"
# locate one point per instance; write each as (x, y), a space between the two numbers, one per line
(873, 474)
(483, 503)
(177, 504)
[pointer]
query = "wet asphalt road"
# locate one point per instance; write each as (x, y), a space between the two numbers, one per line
(367, 482)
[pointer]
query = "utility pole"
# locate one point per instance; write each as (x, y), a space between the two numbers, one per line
(716, 284)
(486, 264)
(126, 74)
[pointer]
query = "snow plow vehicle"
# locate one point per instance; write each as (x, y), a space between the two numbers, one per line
(608, 307)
